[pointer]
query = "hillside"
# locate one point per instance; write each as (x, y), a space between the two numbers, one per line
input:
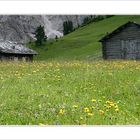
(21, 28)
(82, 44)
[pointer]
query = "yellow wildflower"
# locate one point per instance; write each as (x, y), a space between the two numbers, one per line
(108, 106)
(107, 102)
(61, 111)
(41, 124)
(116, 106)
(101, 112)
(93, 100)
(117, 110)
(86, 109)
(111, 104)
(75, 106)
(81, 118)
(90, 114)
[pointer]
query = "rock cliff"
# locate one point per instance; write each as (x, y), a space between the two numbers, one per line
(21, 28)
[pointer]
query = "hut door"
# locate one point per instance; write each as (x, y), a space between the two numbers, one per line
(129, 49)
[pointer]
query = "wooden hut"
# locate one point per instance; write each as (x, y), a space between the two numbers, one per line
(15, 51)
(122, 43)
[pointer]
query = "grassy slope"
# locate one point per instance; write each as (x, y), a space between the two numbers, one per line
(83, 43)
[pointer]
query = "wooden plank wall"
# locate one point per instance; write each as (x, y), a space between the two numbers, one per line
(114, 48)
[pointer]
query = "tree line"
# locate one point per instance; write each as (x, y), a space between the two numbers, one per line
(42, 38)
(67, 28)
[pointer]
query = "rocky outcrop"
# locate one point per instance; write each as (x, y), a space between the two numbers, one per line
(21, 28)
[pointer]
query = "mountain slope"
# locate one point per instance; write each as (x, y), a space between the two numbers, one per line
(82, 44)
(21, 28)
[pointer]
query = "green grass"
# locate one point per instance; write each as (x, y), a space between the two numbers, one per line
(70, 93)
(72, 86)
(82, 44)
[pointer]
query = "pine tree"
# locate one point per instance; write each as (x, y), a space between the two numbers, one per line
(67, 27)
(40, 35)
(56, 38)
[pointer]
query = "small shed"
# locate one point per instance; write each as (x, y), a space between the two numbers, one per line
(122, 43)
(15, 51)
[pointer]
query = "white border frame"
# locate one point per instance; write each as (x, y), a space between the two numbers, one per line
(68, 133)
(70, 7)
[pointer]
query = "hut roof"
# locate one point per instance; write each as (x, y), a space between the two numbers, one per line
(118, 30)
(15, 48)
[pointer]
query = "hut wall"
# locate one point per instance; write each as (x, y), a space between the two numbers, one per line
(123, 45)
(16, 57)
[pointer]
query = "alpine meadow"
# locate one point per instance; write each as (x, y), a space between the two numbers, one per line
(69, 83)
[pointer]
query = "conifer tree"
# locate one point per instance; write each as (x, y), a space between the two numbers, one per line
(40, 35)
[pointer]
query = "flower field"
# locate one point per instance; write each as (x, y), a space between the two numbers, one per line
(70, 93)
